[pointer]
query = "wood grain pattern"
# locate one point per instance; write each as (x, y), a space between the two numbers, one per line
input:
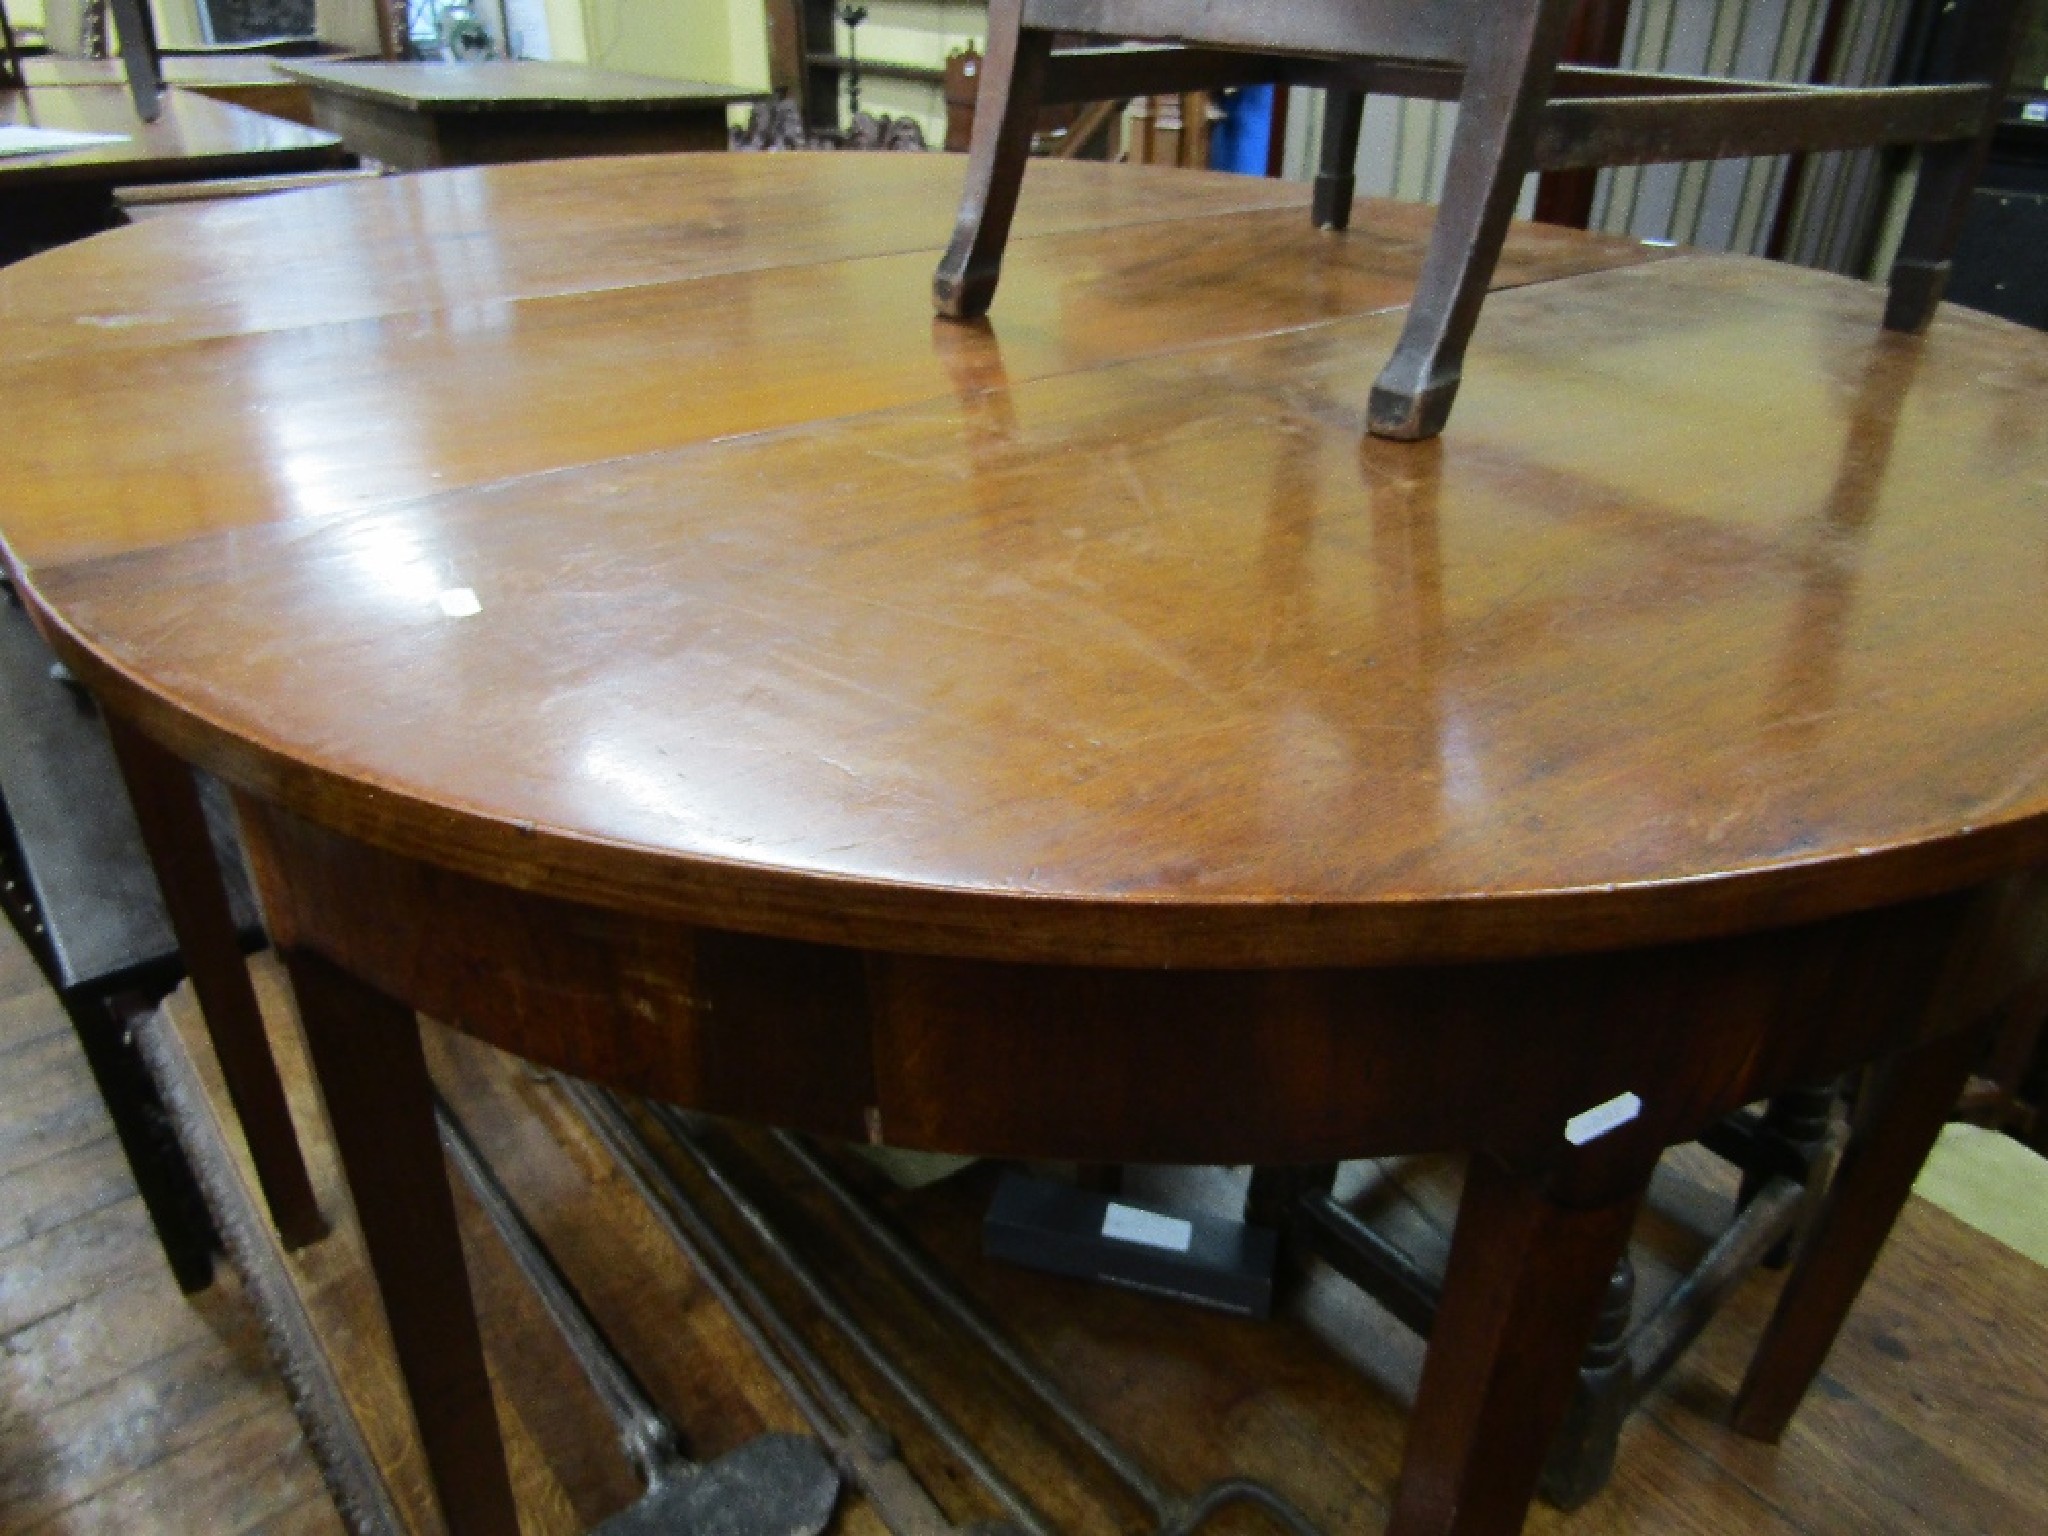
(538, 231)
(871, 753)
(1090, 615)
(495, 85)
(1210, 1065)
(656, 330)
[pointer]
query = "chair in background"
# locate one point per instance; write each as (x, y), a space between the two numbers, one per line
(80, 30)
(10, 56)
(1520, 110)
(141, 59)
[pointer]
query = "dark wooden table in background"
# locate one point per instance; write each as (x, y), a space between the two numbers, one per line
(46, 197)
(642, 638)
(423, 116)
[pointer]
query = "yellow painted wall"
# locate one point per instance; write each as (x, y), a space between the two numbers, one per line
(718, 40)
(913, 32)
(565, 30)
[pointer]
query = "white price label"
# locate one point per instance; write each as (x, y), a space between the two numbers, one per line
(1128, 1224)
(1591, 1124)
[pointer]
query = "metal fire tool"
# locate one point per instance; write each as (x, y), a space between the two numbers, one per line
(1173, 1515)
(863, 1447)
(774, 1485)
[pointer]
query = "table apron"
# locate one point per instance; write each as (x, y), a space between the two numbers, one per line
(1115, 1065)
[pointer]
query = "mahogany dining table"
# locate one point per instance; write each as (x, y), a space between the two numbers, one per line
(638, 635)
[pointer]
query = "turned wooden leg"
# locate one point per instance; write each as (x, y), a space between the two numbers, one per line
(1904, 1107)
(1528, 1278)
(1012, 84)
(1986, 41)
(1581, 1458)
(1275, 1192)
(366, 1053)
(1336, 179)
(1514, 59)
(1277, 1188)
(1799, 1120)
(180, 847)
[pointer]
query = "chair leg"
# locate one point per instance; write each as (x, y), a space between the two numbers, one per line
(1336, 179)
(1514, 60)
(1986, 37)
(1800, 1120)
(169, 1190)
(1271, 1199)
(1012, 86)
(1529, 1277)
(1581, 1458)
(1902, 1113)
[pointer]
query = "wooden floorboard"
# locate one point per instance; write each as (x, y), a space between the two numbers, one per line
(124, 1407)
(55, 1192)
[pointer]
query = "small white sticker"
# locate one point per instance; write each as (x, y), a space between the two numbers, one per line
(2035, 112)
(1591, 1124)
(460, 603)
(1128, 1224)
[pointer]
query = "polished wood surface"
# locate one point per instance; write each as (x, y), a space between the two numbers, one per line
(1093, 626)
(564, 245)
(702, 674)
(240, 79)
(498, 85)
(228, 69)
(194, 138)
(430, 116)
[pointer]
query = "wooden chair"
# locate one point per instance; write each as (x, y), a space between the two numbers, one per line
(10, 56)
(141, 59)
(1520, 110)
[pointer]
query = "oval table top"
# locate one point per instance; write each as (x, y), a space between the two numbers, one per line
(629, 531)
